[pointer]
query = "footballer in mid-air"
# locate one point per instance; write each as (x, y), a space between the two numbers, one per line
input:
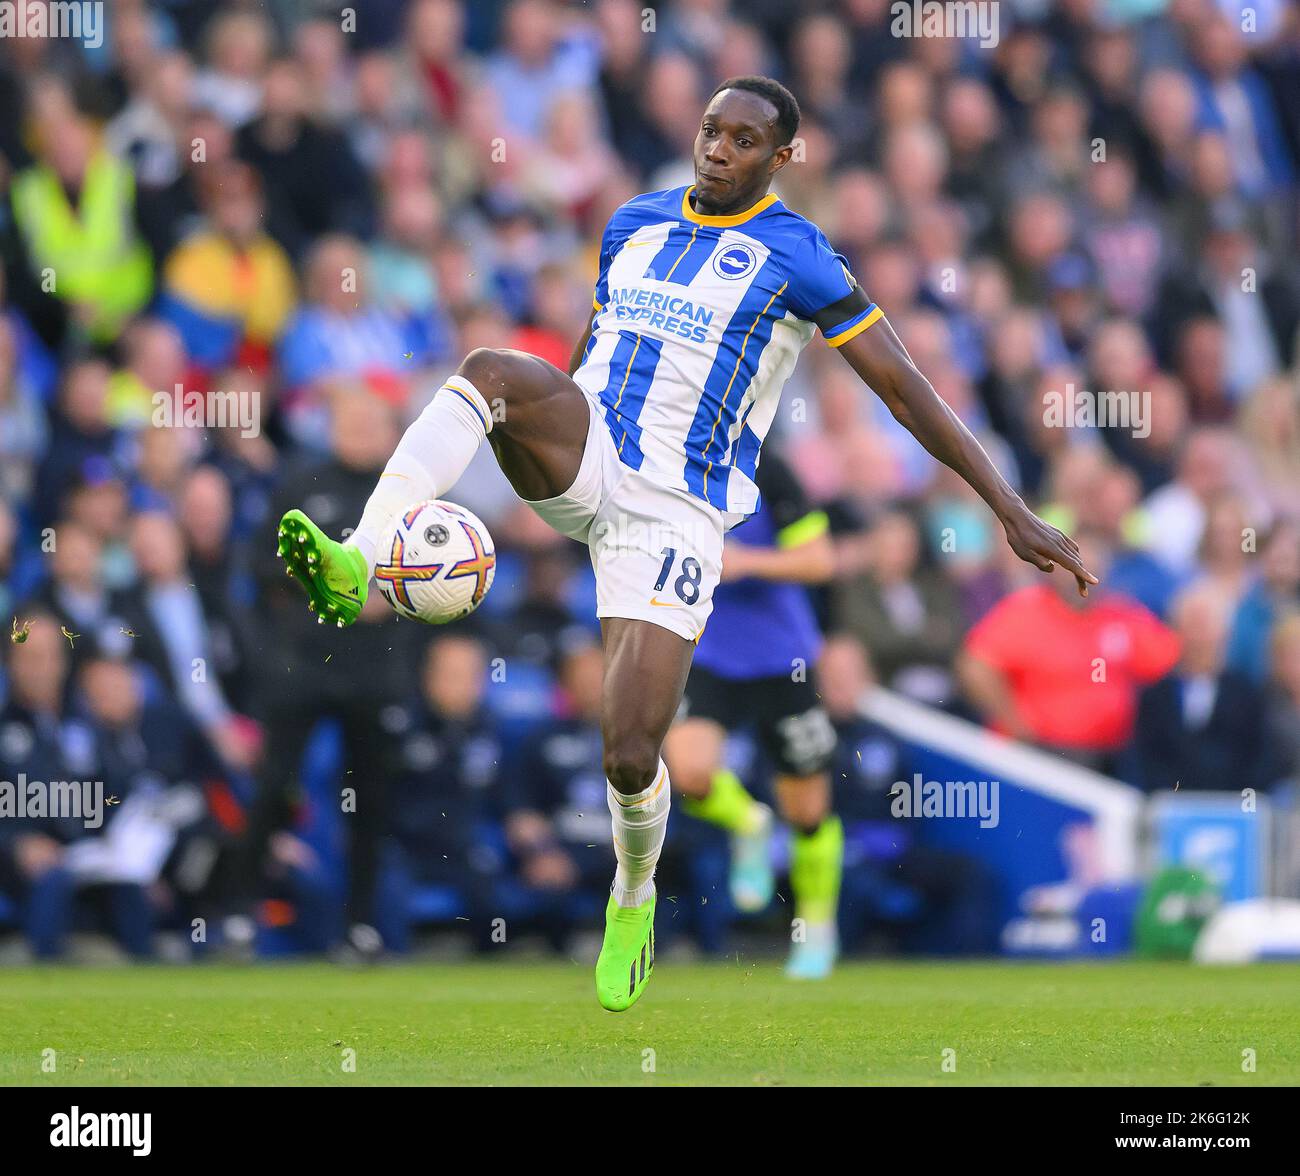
(647, 451)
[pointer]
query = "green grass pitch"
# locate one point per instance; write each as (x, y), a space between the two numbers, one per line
(517, 1021)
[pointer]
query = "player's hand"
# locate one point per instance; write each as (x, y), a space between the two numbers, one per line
(1042, 545)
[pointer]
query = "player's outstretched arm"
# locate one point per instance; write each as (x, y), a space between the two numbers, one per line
(880, 358)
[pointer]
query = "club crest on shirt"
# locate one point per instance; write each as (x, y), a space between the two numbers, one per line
(736, 261)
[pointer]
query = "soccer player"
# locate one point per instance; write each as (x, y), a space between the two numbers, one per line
(754, 664)
(647, 448)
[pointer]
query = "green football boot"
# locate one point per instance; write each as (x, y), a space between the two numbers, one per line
(335, 577)
(627, 957)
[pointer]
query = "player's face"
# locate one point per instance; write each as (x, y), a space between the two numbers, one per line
(736, 152)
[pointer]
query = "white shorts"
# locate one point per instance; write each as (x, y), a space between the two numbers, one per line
(657, 552)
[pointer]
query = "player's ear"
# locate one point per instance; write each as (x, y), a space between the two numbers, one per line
(780, 157)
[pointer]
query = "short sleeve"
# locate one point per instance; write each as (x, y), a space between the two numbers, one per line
(825, 292)
(609, 244)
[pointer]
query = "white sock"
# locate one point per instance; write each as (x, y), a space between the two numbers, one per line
(640, 822)
(430, 457)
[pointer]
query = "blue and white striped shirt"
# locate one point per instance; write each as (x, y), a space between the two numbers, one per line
(699, 322)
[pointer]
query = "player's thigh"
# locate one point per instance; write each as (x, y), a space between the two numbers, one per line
(657, 555)
(540, 419)
(645, 671)
(693, 752)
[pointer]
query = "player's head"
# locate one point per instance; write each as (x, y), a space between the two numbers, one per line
(745, 138)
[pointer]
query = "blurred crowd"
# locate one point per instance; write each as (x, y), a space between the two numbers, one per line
(243, 243)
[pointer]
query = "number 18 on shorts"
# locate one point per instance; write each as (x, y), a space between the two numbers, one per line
(657, 554)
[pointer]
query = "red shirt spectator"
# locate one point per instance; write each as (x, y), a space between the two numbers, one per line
(1071, 672)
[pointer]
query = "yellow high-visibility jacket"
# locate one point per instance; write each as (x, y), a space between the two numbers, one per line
(92, 252)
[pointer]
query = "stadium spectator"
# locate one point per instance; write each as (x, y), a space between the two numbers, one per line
(340, 334)
(559, 309)
(229, 288)
(1112, 508)
(320, 47)
(314, 184)
(1062, 671)
(541, 627)
(222, 579)
(572, 163)
(238, 48)
(1201, 727)
(1177, 511)
(622, 77)
(306, 675)
(154, 355)
(178, 637)
(411, 225)
(555, 797)
(541, 59)
(1270, 427)
(929, 898)
(1274, 593)
(74, 212)
(1235, 99)
(153, 761)
(1283, 747)
(448, 765)
(83, 443)
(41, 741)
(439, 63)
(1122, 236)
(77, 597)
(905, 615)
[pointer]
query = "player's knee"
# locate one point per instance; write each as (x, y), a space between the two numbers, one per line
(631, 763)
(498, 374)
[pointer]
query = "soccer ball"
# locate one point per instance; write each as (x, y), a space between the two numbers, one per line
(436, 562)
